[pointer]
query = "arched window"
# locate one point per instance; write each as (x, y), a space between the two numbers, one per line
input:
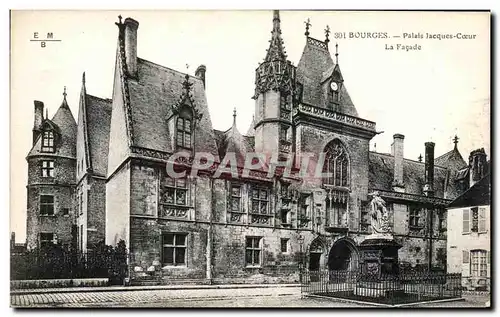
(336, 163)
(184, 128)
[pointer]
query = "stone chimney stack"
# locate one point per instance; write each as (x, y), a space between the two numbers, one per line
(38, 119)
(477, 165)
(429, 169)
(200, 73)
(398, 153)
(131, 27)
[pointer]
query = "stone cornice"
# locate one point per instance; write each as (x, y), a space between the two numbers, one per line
(413, 198)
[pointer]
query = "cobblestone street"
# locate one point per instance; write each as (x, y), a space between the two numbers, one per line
(243, 297)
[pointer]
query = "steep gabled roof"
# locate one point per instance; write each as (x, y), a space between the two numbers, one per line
(478, 195)
(98, 124)
(452, 159)
(64, 124)
(152, 98)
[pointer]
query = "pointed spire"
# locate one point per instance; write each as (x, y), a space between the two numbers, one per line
(234, 117)
(64, 93)
(308, 25)
(64, 102)
(455, 141)
(276, 50)
(83, 78)
(336, 53)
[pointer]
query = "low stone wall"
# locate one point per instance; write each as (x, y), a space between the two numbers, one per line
(56, 283)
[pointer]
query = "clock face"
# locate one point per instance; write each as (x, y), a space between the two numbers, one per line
(334, 86)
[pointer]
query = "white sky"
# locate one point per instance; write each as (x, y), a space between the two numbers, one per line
(427, 95)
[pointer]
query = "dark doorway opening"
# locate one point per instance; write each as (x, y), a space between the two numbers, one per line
(343, 256)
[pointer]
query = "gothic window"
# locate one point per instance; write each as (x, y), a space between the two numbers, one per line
(174, 249)
(48, 141)
(184, 129)
(174, 191)
(235, 198)
(47, 168)
(46, 205)
(336, 163)
(253, 251)
(260, 200)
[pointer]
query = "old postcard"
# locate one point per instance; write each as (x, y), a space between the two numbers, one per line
(265, 158)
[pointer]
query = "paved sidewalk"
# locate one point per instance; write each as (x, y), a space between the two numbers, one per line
(146, 288)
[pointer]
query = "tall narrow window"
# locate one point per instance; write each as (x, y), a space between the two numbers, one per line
(48, 141)
(478, 265)
(46, 205)
(235, 197)
(284, 245)
(481, 225)
(474, 219)
(466, 221)
(336, 163)
(253, 251)
(47, 168)
(174, 191)
(174, 249)
(414, 217)
(260, 200)
(184, 129)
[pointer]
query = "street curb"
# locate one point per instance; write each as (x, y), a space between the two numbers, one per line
(385, 305)
(146, 288)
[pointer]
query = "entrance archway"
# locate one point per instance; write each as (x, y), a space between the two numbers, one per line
(316, 255)
(343, 256)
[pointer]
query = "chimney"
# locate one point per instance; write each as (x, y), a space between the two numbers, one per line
(398, 153)
(131, 27)
(429, 169)
(477, 166)
(38, 120)
(200, 73)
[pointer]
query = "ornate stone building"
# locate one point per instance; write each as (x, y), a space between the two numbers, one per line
(215, 226)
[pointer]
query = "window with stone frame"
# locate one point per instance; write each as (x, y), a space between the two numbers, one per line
(174, 191)
(46, 239)
(336, 163)
(235, 197)
(47, 168)
(253, 251)
(284, 245)
(284, 132)
(414, 217)
(285, 217)
(46, 205)
(260, 200)
(478, 265)
(174, 249)
(184, 129)
(48, 141)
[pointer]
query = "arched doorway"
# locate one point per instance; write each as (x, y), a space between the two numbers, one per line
(316, 255)
(343, 256)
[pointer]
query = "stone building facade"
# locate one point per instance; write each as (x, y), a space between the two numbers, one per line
(218, 226)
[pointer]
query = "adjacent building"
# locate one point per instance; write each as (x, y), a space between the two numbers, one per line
(219, 226)
(469, 227)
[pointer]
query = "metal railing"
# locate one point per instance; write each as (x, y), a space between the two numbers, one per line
(388, 289)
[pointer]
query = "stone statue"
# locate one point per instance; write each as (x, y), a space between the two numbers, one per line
(379, 217)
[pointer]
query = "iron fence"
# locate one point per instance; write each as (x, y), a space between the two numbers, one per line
(60, 264)
(386, 289)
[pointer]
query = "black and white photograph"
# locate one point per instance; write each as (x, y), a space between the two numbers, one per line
(250, 158)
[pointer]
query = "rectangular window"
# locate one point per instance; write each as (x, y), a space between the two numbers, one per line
(441, 221)
(48, 141)
(466, 221)
(284, 245)
(474, 216)
(46, 239)
(235, 197)
(47, 168)
(46, 205)
(174, 191)
(478, 265)
(174, 248)
(260, 200)
(481, 225)
(414, 217)
(65, 211)
(285, 219)
(253, 251)
(183, 133)
(284, 133)
(465, 256)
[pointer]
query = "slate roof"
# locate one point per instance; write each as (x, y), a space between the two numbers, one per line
(152, 97)
(381, 175)
(98, 124)
(478, 195)
(452, 159)
(233, 141)
(314, 68)
(64, 123)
